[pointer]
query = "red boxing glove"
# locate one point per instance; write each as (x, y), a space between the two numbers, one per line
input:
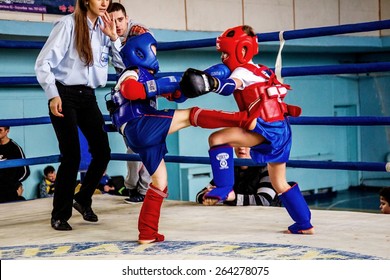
(132, 89)
(168, 96)
(177, 96)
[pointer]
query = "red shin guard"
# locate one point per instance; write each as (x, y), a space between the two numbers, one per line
(150, 214)
(216, 119)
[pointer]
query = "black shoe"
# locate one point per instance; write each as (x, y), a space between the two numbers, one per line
(60, 225)
(86, 211)
(133, 199)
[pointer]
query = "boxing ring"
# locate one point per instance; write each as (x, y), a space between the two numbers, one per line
(228, 233)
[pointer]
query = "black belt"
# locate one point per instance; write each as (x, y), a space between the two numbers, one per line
(82, 88)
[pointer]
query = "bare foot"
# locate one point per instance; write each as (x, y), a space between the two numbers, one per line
(159, 238)
(306, 231)
(209, 201)
(231, 196)
(146, 241)
(212, 201)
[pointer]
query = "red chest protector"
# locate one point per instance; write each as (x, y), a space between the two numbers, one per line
(265, 99)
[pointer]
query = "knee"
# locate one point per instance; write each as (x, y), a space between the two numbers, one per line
(216, 139)
(193, 115)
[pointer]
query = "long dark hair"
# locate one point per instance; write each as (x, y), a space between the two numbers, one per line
(83, 43)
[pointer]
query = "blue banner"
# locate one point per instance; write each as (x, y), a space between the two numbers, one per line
(61, 7)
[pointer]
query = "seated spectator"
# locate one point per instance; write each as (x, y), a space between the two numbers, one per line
(384, 198)
(46, 187)
(11, 188)
(105, 184)
(20, 190)
(113, 185)
(252, 186)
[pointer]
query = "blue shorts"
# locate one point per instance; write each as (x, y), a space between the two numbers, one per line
(147, 135)
(278, 142)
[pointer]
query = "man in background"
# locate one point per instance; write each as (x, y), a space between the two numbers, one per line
(137, 179)
(11, 188)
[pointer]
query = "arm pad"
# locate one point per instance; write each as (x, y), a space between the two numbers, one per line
(132, 89)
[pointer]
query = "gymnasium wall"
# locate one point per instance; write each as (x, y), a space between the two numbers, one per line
(172, 20)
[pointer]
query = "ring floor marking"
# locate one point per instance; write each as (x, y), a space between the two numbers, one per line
(185, 249)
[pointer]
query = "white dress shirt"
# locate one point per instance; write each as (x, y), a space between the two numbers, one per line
(60, 61)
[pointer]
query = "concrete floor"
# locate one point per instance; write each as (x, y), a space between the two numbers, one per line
(192, 232)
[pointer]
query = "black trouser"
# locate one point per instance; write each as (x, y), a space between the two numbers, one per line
(80, 109)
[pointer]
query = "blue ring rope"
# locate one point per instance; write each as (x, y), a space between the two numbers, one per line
(286, 72)
(338, 121)
(263, 37)
(355, 166)
(287, 35)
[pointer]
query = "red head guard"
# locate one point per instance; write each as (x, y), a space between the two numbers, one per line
(232, 41)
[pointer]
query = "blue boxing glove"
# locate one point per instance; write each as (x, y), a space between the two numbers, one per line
(162, 86)
(219, 71)
(222, 73)
(133, 90)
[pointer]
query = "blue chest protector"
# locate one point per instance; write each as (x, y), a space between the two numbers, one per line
(125, 110)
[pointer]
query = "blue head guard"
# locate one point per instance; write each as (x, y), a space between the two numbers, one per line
(138, 52)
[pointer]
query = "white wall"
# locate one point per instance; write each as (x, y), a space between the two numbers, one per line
(263, 15)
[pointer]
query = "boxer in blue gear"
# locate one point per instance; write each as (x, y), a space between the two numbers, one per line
(133, 111)
(134, 114)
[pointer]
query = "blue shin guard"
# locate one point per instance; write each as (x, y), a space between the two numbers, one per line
(222, 165)
(297, 208)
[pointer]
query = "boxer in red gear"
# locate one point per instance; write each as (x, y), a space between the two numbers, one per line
(261, 122)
